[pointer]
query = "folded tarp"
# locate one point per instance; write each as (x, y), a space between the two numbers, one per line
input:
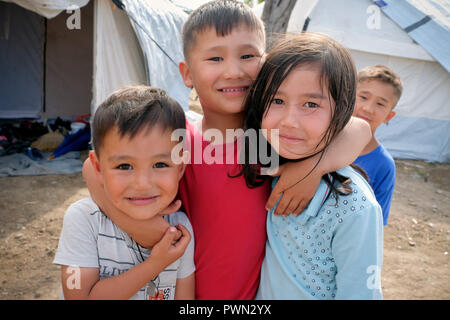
(19, 164)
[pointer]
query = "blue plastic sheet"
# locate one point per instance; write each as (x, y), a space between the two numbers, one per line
(74, 142)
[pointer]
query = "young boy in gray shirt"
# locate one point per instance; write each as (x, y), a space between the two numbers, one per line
(133, 161)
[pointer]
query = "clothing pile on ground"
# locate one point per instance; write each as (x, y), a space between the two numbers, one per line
(16, 138)
(33, 148)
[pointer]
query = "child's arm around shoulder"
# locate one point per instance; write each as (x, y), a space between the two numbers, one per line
(298, 184)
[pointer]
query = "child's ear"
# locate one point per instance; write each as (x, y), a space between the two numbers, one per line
(185, 159)
(96, 165)
(389, 117)
(185, 74)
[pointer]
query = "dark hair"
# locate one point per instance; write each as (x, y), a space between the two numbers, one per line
(134, 108)
(223, 16)
(337, 72)
(383, 74)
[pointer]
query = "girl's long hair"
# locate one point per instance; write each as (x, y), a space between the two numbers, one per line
(338, 73)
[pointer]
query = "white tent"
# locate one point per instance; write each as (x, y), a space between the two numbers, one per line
(70, 69)
(421, 128)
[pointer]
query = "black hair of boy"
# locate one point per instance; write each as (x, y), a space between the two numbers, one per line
(223, 16)
(134, 108)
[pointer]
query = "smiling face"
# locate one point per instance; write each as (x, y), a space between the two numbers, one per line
(222, 68)
(301, 111)
(374, 102)
(138, 173)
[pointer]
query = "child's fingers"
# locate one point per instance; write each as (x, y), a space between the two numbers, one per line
(300, 207)
(173, 207)
(275, 195)
(293, 204)
(167, 238)
(296, 203)
(178, 235)
(303, 207)
(282, 206)
(184, 231)
(185, 238)
(165, 252)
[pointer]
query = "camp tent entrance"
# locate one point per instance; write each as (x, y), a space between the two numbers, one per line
(50, 69)
(46, 67)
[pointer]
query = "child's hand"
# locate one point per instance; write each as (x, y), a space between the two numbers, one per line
(167, 250)
(295, 190)
(173, 207)
(341, 152)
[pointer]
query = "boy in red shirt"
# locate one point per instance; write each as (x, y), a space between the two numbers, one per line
(224, 44)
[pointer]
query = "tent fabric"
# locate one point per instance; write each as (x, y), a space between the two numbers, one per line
(421, 128)
(48, 61)
(158, 26)
(49, 8)
(431, 33)
(426, 85)
(118, 58)
(435, 143)
(438, 9)
(68, 86)
(21, 47)
(350, 27)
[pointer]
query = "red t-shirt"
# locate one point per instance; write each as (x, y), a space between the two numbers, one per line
(229, 223)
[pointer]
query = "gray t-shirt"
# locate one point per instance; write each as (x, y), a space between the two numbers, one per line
(90, 239)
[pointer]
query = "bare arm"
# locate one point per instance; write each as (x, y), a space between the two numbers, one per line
(185, 289)
(125, 285)
(295, 190)
(145, 232)
(347, 146)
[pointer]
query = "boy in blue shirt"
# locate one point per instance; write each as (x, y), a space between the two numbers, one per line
(379, 89)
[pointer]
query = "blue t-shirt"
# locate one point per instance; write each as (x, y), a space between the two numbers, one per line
(380, 168)
(332, 250)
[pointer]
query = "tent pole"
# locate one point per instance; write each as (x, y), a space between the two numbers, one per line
(44, 71)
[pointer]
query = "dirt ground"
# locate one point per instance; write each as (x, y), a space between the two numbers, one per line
(416, 241)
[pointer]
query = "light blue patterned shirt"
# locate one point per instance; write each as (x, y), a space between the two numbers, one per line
(332, 250)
